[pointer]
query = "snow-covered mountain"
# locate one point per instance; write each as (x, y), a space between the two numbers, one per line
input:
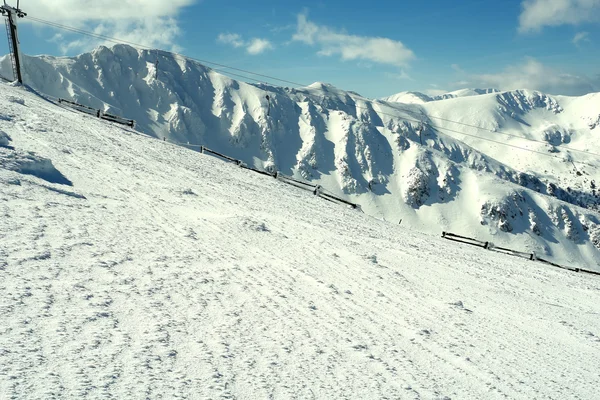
(409, 98)
(371, 151)
(421, 98)
(131, 268)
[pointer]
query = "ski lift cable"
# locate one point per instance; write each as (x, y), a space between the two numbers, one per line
(439, 130)
(373, 102)
(121, 41)
(463, 124)
(164, 53)
(496, 131)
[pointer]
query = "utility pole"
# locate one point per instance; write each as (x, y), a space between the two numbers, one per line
(11, 14)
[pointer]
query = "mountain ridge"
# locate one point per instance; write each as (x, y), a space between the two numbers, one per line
(370, 151)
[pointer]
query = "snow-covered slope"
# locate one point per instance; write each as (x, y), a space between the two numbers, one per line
(421, 98)
(371, 152)
(408, 98)
(133, 268)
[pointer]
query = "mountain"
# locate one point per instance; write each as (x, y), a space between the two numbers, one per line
(465, 93)
(133, 268)
(409, 98)
(458, 175)
(421, 98)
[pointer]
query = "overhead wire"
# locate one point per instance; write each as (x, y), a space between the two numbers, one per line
(439, 129)
(120, 41)
(225, 69)
(501, 132)
(164, 53)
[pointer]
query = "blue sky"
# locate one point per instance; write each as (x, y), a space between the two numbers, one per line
(376, 49)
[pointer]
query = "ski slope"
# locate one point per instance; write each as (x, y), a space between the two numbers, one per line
(133, 268)
(454, 176)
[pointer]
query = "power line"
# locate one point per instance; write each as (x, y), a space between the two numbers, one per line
(513, 146)
(493, 131)
(120, 41)
(167, 54)
(200, 62)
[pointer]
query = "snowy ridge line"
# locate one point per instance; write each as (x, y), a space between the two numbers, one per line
(98, 113)
(530, 256)
(317, 190)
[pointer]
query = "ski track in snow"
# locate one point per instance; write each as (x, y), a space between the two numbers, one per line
(175, 275)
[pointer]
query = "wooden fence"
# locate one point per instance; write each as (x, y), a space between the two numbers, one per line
(98, 113)
(529, 256)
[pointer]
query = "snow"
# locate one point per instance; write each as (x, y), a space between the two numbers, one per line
(4, 139)
(421, 98)
(370, 152)
(160, 272)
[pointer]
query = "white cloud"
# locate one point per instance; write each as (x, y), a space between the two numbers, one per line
(457, 68)
(537, 14)
(532, 74)
(258, 46)
(231, 38)
(402, 75)
(254, 46)
(581, 37)
(351, 47)
(151, 23)
(105, 10)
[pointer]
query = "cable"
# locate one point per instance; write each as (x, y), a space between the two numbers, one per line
(495, 131)
(378, 102)
(199, 62)
(168, 54)
(119, 41)
(511, 145)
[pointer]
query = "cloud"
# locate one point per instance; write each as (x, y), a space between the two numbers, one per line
(402, 75)
(537, 14)
(254, 46)
(151, 23)
(258, 46)
(581, 37)
(351, 47)
(457, 68)
(531, 74)
(231, 38)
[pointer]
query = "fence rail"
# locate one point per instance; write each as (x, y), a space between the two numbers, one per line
(98, 113)
(530, 256)
(317, 190)
(223, 156)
